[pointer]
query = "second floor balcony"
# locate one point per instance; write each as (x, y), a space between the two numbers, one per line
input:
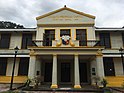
(70, 43)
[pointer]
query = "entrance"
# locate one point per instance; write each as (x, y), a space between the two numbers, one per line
(83, 72)
(48, 72)
(65, 72)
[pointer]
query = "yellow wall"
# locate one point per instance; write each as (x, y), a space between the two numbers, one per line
(115, 81)
(17, 79)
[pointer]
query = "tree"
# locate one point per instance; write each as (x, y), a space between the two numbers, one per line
(9, 25)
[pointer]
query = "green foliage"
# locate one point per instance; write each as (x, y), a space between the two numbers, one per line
(9, 25)
(104, 82)
(96, 79)
(28, 82)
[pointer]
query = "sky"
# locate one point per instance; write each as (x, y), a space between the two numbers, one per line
(108, 13)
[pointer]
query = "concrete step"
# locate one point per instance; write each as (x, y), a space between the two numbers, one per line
(56, 92)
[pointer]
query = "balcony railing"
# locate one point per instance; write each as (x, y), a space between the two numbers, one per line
(89, 43)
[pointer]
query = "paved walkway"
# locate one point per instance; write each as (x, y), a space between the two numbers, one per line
(3, 88)
(6, 88)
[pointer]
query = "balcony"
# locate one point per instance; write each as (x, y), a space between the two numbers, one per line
(71, 43)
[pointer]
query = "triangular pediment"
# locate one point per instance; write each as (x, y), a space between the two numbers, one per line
(65, 8)
(65, 16)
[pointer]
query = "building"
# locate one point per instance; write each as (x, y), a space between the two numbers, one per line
(65, 49)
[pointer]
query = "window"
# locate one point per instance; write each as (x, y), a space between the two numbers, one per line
(5, 40)
(105, 40)
(26, 40)
(81, 36)
(109, 67)
(65, 32)
(3, 66)
(49, 35)
(23, 66)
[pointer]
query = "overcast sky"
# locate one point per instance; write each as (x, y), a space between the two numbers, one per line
(109, 13)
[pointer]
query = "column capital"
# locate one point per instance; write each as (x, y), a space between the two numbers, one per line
(99, 53)
(32, 52)
(54, 54)
(76, 54)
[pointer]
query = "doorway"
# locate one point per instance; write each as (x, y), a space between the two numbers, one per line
(48, 72)
(83, 72)
(65, 72)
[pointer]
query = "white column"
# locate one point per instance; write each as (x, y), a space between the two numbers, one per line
(100, 66)
(32, 63)
(76, 73)
(39, 35)
(54, 72)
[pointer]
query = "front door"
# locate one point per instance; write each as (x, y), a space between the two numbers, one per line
(48, 72)
(65, 72)
(83, 72)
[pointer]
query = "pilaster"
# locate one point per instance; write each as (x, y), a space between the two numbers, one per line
(54, 72)
(76, 72)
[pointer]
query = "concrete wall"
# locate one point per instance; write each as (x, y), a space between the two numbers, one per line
(116, 40)
(66, 17)
(15, 40)
(10, 67)
(89, 31)
(118, 66)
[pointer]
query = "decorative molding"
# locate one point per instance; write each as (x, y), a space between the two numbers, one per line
(99, 53)
(71, 43)
(32, 52)
(65, 25)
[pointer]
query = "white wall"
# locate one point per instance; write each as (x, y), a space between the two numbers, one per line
(15, 40)
(89, 30)
(116, 40)
(118, 66)
(10, 67)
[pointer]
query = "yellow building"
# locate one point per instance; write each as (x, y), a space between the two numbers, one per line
(65, 49)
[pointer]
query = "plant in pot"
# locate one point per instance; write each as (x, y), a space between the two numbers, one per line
(104, 82)
(96, 80)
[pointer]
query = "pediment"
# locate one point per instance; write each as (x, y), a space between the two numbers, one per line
(65, 8)
(65, 16)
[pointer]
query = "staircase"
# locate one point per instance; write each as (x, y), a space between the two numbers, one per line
(115, 81)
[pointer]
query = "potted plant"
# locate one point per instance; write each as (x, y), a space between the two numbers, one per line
(96, 80)
(104, 82)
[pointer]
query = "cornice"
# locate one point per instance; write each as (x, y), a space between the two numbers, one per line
(65, 25)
